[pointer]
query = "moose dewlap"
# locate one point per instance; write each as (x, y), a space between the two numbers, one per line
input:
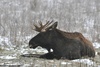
(64, 44)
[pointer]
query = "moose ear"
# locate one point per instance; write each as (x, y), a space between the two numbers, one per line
(53, 26)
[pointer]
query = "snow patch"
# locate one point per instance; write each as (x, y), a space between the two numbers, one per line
(26, 65)
(7, 57)
(64, 63)
(6, 40)
(96, 45)
(85, 61)
(5, 43)
(40, 50)
(10, 63)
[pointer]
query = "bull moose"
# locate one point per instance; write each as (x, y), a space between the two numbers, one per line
(64, 44)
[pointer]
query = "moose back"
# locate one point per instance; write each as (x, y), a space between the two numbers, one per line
(64, 44)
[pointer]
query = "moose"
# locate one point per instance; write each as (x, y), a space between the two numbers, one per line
(64, 44)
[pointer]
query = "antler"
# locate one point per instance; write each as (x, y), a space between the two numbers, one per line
(41, 27)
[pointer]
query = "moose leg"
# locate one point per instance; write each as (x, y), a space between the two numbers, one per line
(74, 55)
(90, 52)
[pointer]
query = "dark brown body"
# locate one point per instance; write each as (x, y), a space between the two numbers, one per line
(66, 45)
(77, 36)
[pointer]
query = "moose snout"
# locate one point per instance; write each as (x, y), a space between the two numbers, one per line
(33, 45)
(30, 46)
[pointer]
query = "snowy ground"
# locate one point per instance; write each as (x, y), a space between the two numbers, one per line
(11, 56)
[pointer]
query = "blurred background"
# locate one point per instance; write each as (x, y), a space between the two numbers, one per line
(17, 17)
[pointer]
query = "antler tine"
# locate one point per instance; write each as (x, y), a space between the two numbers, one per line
(48, 23)
(36, 27)
(39, 28)
(41, 25)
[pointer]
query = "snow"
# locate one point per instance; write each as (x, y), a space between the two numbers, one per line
(64, 63)
(23, 49)
(96, 45)
(6, 40)
(85, 61)
(26, 65)
(7, 57)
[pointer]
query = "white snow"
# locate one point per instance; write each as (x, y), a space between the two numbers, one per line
(96, 45)
(64, 63)
(10, 63)
(5, 43)
(7, 57)
(40, 50)
(26, 65)
(6, 40)
(85, 61)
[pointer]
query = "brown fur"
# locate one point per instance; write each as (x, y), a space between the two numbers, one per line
(78, 36)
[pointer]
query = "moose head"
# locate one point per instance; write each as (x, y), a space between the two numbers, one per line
(41, 38)
(63, 46)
